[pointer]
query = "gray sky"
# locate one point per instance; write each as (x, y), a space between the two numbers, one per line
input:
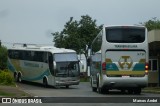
(33, 21)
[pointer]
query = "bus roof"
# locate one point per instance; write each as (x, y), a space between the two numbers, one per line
(141, 26)
(51, 49)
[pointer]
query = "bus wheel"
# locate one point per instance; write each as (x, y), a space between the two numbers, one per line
(98, 87)
(104, 90)
(15, 76)
(45, 83)
(91, 81)
(94, 89)
(130, 91)
(67, 86)
(123, 91)
(137, 91)
(99, 90)
(19, 79)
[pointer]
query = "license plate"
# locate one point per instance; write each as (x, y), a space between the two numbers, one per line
(125, 76)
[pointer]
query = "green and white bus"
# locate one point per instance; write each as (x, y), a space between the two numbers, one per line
(119, 59)
(46, 65)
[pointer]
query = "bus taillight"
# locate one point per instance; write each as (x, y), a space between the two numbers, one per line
(146, 68)
(104, 66)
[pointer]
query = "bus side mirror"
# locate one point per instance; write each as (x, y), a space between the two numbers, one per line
(54, 65)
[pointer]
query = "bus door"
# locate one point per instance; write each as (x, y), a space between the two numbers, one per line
(51, 67)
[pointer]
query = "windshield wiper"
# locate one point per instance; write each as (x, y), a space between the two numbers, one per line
(61, 74)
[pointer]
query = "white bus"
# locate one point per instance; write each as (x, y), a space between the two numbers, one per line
(119, 59)
(46, 65)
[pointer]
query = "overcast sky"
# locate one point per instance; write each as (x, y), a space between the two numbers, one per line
(33, 21)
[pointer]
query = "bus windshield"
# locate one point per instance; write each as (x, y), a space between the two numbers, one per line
(67, 65)
(125, 34)
(61, 57)
(67, 69)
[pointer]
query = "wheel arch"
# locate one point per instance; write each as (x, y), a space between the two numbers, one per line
(45, 78)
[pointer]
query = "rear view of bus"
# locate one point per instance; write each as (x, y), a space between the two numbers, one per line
(124, 59)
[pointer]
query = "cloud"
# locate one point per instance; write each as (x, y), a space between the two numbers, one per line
(4, 13)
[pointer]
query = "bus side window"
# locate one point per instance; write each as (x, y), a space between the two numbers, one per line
(96, 44)
(10, 54)
(45, 59)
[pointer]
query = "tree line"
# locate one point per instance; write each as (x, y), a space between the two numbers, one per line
(77, 35)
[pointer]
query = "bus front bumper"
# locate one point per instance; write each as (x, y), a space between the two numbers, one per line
(64, 83)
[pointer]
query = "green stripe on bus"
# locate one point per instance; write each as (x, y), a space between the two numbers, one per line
(125, 72)
(38, 77)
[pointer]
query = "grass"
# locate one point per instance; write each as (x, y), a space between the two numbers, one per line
(152, 90)
(8, 94)
(12, 91)
(2, 93)
(84, 79)
(3, 84)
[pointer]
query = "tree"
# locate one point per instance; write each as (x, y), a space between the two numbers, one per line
(3, 58)
(77, 35)
(151, 24)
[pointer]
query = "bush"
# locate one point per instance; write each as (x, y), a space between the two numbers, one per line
(3, 58)
(6, 78)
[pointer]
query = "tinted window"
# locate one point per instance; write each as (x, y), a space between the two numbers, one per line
(39, 56)
(149, 64)
(28, 55)
(154, 65)
(125, 35)
(96, 45)
(14, 54)
(65, 57)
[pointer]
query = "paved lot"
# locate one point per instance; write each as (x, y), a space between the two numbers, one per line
(82, 90)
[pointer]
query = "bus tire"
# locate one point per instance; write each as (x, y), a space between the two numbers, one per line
(91, 80)
(137, 91)
(130, 91)
(123, 91)
(15, 76)
(100, 90)
(19, 79)
(106, 91)
(94, 89)
(103, 90)
(45, 83)
(67, 86)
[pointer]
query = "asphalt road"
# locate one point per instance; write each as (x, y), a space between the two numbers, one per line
(82, 91)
